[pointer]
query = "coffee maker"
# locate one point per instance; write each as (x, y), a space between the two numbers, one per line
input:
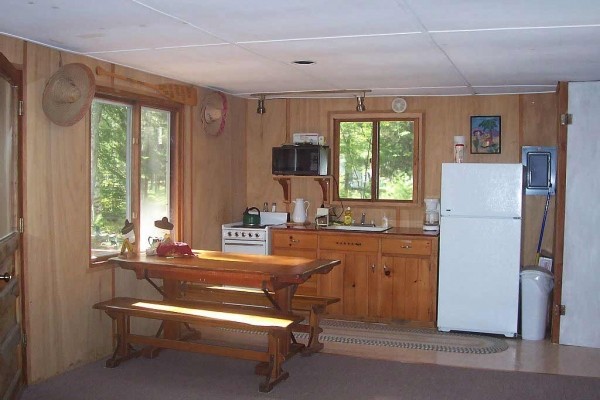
(431, 220)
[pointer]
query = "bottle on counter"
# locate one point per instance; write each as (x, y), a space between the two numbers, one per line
(384, 222)
(348, 217)
(459, 149)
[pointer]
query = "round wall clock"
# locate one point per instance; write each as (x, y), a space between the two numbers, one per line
(399, 105)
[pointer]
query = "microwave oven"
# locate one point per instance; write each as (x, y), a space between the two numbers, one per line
(301, 160)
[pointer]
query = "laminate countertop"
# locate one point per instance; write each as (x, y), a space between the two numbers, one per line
(394, 231)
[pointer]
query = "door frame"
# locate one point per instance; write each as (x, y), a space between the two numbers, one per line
(559, 210)
(15, 76)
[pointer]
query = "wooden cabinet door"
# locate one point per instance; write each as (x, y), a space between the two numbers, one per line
(351, 282)
(410, 282)
(302, 244)
(356, 283)
(332, 284)
(381, 291)
(11, 351)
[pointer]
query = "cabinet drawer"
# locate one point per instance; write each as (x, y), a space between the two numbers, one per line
(421, 247)
(295, 240)
(348, 243)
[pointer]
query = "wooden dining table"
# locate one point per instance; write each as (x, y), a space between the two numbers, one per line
(277, 276)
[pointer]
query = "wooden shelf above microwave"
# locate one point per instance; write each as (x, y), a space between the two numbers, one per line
(286, 184)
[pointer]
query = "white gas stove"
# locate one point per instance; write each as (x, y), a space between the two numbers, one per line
(239, 238)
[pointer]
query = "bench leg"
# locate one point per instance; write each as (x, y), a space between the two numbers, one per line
(314, 345)
(274, 373)
(123, 351)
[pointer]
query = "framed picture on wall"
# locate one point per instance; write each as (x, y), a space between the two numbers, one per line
(486, 132)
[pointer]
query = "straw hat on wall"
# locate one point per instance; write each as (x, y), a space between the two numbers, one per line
(214, 113)
(68, 94)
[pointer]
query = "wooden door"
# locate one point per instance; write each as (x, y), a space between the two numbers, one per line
(11, 351)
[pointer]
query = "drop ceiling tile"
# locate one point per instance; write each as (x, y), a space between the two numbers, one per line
(524, 57)
(368, 62)
(514, 89)
(491, 14)
(96, 25)
(423, 91)
(238, 21)
(225, 67)
(356, 44)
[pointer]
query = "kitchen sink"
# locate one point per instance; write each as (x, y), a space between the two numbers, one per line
(359, 228)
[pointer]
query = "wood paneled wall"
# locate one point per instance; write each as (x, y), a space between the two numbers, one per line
(539, 126)
(60, 287)
(218, 185)
(222, 175)
(526, 120)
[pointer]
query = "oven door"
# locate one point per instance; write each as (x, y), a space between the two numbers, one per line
(244, 247)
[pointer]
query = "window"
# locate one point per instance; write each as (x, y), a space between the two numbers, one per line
(129, 180)
(377, 158)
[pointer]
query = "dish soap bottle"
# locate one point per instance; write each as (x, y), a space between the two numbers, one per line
(348, 217)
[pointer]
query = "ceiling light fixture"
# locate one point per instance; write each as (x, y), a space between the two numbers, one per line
(261, 105)
(303, 62)
(309, 94)
(360, 103)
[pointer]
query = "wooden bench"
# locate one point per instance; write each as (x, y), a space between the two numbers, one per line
(277, 325)
(315, 306)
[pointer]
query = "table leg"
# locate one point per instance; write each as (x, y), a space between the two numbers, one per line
(171, 291)
(283, 298)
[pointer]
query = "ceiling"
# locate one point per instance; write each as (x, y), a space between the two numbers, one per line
(391, 47)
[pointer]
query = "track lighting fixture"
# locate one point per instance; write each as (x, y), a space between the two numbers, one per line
(261, 105)
(360, 103)
(360, 99)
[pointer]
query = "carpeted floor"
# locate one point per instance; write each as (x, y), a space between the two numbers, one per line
(184, 376)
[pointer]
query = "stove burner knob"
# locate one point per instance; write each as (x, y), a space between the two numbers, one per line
(237, 234)
(228, 233)
(243, 234)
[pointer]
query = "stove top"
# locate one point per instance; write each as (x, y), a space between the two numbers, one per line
(247, 226)
(267, 219)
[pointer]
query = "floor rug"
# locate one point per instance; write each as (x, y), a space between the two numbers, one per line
(399, 336)
(391, 335)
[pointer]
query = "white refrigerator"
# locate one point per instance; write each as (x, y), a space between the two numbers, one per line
(480, 248)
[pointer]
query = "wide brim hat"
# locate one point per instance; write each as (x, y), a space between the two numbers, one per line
(128, 227)
(163, 224)
(213, 113)
(68, 94)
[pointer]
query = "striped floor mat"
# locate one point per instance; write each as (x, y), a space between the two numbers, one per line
(390, 335)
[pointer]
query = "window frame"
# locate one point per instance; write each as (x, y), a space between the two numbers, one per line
(137, 102)
(418, 149)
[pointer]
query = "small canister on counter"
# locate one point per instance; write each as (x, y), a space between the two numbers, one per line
(459, 149)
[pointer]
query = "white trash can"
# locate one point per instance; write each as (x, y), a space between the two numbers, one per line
(536, 285)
